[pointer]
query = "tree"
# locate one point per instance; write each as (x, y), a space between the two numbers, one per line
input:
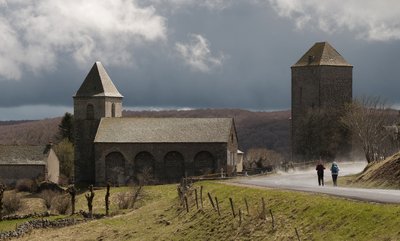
(66, 127)
(366, 118)
(65, 153)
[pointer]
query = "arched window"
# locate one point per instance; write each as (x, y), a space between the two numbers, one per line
(144, 166)
(204, 163)
(89, 112)
(112, 110)
(115, 168)
(174, 166)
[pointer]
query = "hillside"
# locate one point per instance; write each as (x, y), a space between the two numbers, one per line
(38, 132)
(255, 129)
(385, 174)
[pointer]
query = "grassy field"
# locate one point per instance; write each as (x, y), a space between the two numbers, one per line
(159, 216)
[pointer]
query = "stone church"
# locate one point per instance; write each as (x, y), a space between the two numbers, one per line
(109, 147)
(321, 80)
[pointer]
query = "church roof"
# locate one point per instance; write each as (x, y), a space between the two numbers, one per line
(22, 155)
(164, 130)
(321, 53)
(97, 83)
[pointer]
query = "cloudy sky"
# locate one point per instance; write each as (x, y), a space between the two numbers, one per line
(168, 54)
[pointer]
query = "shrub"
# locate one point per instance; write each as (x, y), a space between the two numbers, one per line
(127, 200)
(124, 200)
(11, 202)
(61, 203)
(48, 196)
(25, 185)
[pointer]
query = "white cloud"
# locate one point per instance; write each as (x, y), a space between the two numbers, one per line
(369, 19)
(34, 34)
(197, 54)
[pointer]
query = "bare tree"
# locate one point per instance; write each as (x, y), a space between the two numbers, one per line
(366, 118)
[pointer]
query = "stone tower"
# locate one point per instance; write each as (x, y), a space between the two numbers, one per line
(321, 80)
(96, 98)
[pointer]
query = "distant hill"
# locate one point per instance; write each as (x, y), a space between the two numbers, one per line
(255, 129)
(38, 132)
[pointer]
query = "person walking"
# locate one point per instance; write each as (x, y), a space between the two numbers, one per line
(335, 173)
(320, 172)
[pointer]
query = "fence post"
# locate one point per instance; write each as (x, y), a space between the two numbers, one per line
(247, 206)
(201, 196)
(186, 203)
(216, 202)
(211, 201)
(197, 202)
(272, 217)
(232, 207)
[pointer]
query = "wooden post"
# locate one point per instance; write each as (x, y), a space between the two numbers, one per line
(186, 203)
(216, 202)
(263, 214)
(297, 234)
(232, 207)
(107, 199)
(2, 189)
(201, 196)
(89, 198)
(272, 217)
(211, 201)
(247, 206)
(197, 202)
(240, 217)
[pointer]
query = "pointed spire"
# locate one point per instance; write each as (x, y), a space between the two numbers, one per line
(321, 53)
(97, 83)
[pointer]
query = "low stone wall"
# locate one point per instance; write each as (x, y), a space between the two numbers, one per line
(27, 227)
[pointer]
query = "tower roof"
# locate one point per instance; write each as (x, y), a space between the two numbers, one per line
(98, 83)
(321, 53)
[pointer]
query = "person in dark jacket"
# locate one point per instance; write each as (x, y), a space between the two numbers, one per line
(335, 173)
(320, 172)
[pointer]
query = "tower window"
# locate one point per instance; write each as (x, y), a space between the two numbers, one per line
(90, 112)
(112, 110)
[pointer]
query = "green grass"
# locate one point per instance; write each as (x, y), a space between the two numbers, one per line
(160, 217)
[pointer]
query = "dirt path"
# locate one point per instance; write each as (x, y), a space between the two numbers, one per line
(307, 181)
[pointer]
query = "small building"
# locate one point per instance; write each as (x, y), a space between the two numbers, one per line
(28, 162)
(239, 161)
(112, 148)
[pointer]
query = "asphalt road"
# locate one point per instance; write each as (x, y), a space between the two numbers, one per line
(307, 181)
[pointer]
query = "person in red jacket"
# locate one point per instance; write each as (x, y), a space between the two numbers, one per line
(320, 171)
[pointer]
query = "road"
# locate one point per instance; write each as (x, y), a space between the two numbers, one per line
(307, 181)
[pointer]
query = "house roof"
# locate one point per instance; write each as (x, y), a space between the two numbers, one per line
(97, 83)
(164, 130)
(321, 53)
(22, 155)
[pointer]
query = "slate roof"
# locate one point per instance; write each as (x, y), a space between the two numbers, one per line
(164, 130)
(97, 83)
(321, 53)
(22, 155)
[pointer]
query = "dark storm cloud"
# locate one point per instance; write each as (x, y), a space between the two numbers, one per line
(198, 54)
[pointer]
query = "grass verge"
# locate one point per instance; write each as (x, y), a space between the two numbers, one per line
(161, 217)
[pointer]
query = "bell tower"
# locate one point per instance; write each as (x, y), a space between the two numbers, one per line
(96, 98)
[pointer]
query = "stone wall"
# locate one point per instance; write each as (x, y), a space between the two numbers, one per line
(159, 151)
(318, 88)
(10, 174)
